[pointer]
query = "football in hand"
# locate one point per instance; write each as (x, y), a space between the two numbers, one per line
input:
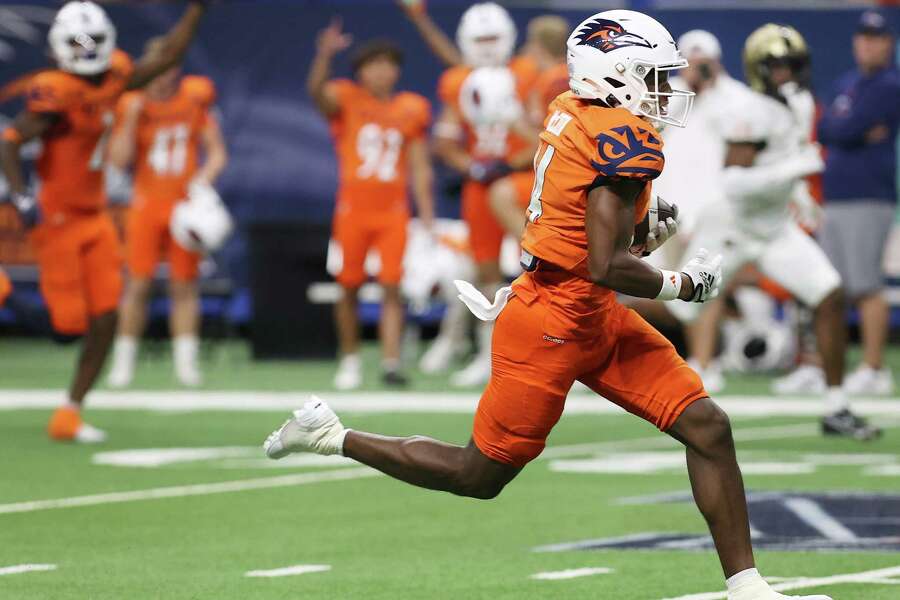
(659, 212)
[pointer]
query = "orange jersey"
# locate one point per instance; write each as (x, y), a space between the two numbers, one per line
(371, 139)
(551, 83)
(168, 138)
(582, 146)
(70, 166)
(489, 141)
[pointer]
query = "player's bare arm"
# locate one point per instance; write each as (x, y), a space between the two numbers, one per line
(331, 40)
(422, 179)
(433, 36)
(171, 50)
(448, 146)
(26, 127)
(215, 152)
(123, 140)
(609, 221)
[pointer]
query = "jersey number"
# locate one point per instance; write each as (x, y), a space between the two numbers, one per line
(98, 156)
(168, 155)
(378, 149)
(542, 159)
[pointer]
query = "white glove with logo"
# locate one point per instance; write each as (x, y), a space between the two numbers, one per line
(480, 306)
(705, 274)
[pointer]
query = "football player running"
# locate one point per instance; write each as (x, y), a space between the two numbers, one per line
(560, 322)
(71, 109)
(768, 153)
(163, 131)
(380, 137)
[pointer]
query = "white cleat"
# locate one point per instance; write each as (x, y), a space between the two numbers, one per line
(438, 356)
(349, 373)
(760, 590)
(120, 376)
(475, 373)
(712, 377)
(866, 381)
(188, 374)
(88, 434)
(802, 381)
(312, 428)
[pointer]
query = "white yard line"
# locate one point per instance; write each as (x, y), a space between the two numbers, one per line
(14, 569)
(287, 571)
(572, 573)
(200, 489)
(393, 402)
(874, 577)
(815, 516)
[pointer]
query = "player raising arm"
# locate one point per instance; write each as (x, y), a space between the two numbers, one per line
(562, 322)
(71, 109)
(380, 136)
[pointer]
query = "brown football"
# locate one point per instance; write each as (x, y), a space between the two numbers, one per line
(659, 210)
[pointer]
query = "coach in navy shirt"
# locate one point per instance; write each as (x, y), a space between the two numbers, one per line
(859, 131)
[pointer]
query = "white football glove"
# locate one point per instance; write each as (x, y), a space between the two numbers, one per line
(806, 211)
(705, 274)
(664, 231)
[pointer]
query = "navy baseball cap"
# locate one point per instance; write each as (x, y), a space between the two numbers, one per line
(873, 23)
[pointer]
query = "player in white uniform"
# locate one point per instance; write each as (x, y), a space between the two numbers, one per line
(768, 153)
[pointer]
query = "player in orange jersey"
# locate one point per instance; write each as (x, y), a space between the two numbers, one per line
(380, 139)
(485, 148)
(163, 131)
(5, 287)
(71, 109)
(560, 322)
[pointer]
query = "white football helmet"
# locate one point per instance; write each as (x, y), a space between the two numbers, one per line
(486, 35)
(610, 55)
(201, 223)
(82, 38)
(488, 97)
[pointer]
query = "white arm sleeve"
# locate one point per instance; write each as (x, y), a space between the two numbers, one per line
(749, 181)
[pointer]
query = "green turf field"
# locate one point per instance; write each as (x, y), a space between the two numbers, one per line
(192, 523)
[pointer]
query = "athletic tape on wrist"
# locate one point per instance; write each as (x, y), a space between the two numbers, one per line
(671, 285)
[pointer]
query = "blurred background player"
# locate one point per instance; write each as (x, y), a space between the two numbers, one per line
(859, 131)
(689, 181)
(379, 136)
(162, 131)
(71, 109)
(768, 153)
(545, 46)
(486, 149)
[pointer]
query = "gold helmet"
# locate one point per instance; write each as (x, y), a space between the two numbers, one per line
(774, 44)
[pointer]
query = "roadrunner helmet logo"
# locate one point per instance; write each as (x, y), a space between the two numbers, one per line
(606, 35)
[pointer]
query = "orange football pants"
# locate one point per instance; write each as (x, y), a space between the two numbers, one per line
(485, 233)
(357, 232)
(80, 261)
(148, 238)
(535, 361)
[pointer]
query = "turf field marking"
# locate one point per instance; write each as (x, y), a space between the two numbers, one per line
(286, 571)
(572, 573)
(15, 569)
(181, 491)
(393, 402)
(233, 457)
(878, 576)
(815, 516)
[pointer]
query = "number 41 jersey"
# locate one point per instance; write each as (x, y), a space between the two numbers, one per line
(371, 140)
(583, 146)
(70, 166)
(168, 139)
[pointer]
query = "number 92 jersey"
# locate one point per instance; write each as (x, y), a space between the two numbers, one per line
(371, 140)
(168, 138)
(70, 166)
(584, 146)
